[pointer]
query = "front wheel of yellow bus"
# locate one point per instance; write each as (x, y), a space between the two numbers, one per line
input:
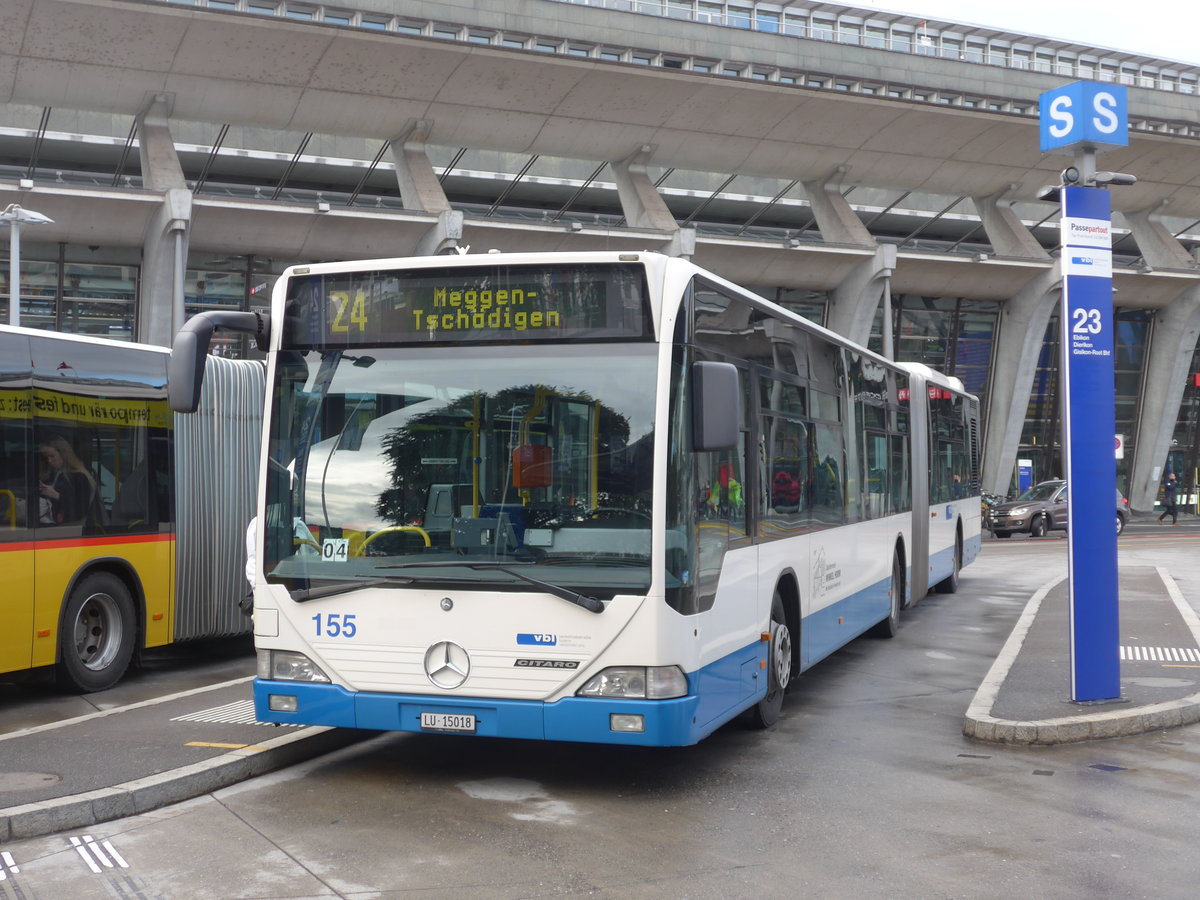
(97, 635)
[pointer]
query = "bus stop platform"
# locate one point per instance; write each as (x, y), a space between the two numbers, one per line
(143, 756)
(1026, 696)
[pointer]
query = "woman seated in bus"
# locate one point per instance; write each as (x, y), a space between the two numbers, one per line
(66, 487)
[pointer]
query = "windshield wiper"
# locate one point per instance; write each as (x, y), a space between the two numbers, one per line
(591, 604)
(329, 590)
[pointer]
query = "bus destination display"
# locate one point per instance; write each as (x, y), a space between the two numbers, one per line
(468, 304)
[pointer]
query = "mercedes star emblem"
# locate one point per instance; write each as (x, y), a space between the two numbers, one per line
(447, 664)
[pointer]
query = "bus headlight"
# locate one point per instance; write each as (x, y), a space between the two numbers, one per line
(283, 665)
(637, 683)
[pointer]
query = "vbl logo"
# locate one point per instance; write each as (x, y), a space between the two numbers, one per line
(539, 640)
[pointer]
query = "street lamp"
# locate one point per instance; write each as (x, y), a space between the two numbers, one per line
(14, 215)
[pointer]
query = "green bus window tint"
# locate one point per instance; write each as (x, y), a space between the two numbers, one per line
(878, 496)
(684, 497)
(722, 519)
(950, 474)
(780, 396)
(899, 465)
(788, 473)
(829, 466)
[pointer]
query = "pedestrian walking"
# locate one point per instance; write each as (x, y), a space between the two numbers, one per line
(1169, 508)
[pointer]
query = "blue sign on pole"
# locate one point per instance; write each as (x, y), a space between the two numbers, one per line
(1088, 428)
(1024, 475)
(1084, 113)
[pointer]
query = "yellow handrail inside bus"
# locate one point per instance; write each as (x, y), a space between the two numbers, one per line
(421, 531)
(12, 507)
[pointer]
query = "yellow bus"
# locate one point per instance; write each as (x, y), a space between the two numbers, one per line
(121, 525)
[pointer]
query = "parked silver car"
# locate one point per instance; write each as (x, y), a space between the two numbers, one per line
(1041, 509)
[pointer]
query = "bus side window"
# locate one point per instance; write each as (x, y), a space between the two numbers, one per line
(131, 507)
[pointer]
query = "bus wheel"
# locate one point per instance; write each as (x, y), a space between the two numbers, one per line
(779, 668)
(949, 584)
(98, 633)
(889, 626)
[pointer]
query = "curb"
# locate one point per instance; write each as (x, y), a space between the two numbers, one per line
(146, 794)
(981, 725)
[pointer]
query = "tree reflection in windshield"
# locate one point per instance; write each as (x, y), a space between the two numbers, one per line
(431, 455)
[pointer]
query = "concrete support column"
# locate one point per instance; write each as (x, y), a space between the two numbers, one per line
(1006, 233)
(1158, 246)
(640, 201)
(443, 237)
(836, 221)
(682, 244)
(1168, 362)
(165, 242)
(420, 189)
(853, 302)
(1022, 329)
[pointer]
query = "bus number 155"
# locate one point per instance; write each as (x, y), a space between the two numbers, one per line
(335, 625)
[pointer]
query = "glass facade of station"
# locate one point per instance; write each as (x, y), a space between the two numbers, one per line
(95, 290)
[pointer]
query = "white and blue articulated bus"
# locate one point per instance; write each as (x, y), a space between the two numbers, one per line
(602, 497)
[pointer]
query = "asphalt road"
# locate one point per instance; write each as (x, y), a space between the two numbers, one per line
(865, 789)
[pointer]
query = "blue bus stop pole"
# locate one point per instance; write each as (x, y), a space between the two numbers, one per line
(1089, 428)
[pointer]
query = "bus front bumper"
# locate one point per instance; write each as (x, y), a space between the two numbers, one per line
(664, 723)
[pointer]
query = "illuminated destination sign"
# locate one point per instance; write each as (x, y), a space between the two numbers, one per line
(469, 304)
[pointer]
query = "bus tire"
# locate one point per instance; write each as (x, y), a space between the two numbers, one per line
(765, 713)
(889, 626)
(949, 584)
(99, 629)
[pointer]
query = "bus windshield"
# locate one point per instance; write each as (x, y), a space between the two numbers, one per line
(462, 464)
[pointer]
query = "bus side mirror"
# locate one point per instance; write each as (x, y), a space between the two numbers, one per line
(716, 406)
(185, 371)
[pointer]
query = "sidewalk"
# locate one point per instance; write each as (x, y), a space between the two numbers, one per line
(136, 758)
(1025, 698)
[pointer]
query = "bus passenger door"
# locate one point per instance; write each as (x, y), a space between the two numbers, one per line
(19, 503)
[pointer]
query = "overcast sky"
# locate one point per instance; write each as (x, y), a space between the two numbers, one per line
(1165, 28)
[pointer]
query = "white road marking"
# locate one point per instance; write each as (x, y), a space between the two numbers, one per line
(82, 851)
(93, 854)
(240, 712)
(1161, 654)
(115, 855)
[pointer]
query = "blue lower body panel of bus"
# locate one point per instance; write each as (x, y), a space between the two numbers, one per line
(716, 694)
(941, 563)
